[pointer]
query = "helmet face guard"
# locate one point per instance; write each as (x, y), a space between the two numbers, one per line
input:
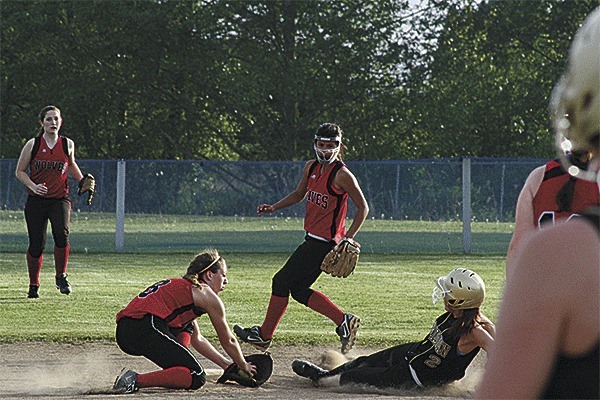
(327, 156)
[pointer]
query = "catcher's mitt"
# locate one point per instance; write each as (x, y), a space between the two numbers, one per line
(87, 184)
(341, 260)
(264, 369)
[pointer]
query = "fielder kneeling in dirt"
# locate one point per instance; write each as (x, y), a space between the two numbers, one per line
(160, 324)
(442, 357)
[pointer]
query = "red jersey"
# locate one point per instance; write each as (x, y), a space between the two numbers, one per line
(326, 208)
(170, 300)
(50, 166)
(586, 194)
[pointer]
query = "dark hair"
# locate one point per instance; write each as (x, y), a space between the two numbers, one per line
(208, 260)
(465, 323)
(330, 130)
(42, 115)
(564, 197)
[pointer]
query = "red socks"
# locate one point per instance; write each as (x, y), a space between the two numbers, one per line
(185, 338)
(61, 258)
(321, 304)
(174, 378)
(34, 266)
(276, 309)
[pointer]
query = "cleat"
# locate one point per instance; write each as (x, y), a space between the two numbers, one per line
(126, 382)
(252, 336)
(308, 370)
(347, 331)
(33, 292)
(63, 284)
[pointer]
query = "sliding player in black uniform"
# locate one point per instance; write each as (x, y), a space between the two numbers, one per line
(441, 357)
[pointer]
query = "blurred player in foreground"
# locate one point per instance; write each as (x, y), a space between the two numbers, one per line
(442, 357)
(160, 324)
(548, 341)
(326, 184)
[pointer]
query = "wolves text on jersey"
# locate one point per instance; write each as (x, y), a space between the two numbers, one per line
(318, 199)
(50, 165)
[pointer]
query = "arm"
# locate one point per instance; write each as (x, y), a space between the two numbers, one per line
(523, 216)
(204, 347)
(483, 336)
(39, 189)
(73, 167)
(530, 327)
(293, 198)
(210, 301)
(347, 182)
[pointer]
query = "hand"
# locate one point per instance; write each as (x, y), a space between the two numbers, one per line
(265, 208)
(350, 240)
(249, 368)
(40, 189)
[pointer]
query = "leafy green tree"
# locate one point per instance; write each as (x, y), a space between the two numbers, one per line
(485, 88)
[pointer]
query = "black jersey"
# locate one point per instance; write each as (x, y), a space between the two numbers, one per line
(577, 377)
(435, 360)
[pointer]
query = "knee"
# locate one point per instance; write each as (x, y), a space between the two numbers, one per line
(279, 286)
(301, 295)
(61, 241)
(35, 251)
(198, 379)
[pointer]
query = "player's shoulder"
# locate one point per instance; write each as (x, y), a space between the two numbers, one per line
(29, 143)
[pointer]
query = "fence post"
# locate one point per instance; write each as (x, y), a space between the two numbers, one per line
(120, 208)
(466, 206)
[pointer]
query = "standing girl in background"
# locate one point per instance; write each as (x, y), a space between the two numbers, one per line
(49, 157)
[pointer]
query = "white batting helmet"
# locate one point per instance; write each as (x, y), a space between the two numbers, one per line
(461, 289)
(575, 100)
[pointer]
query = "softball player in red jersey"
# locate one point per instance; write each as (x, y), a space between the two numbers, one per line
(49, 157)
(326, 184)
(550, 194)
(160, 324)
(441, 357)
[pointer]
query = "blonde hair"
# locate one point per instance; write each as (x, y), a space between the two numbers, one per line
(208, 260)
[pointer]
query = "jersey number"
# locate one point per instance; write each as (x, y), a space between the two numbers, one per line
(548, 217)
(432, 361)
(153, 288)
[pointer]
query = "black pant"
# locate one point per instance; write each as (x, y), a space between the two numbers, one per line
(301, 270)
(152, 338)
(385, 369)
(38, 211)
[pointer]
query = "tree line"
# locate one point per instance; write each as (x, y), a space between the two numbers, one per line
(252, 80)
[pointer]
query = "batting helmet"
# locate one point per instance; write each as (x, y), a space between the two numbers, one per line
(461, 289)
(575, 101)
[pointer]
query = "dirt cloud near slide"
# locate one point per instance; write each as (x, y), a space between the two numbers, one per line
(87, 371)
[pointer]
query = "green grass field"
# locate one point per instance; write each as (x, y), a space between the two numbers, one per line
(95, 233)
(391, 294)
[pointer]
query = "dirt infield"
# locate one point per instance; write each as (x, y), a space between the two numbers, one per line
(87, 371)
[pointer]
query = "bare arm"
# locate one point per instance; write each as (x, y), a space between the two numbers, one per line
(204, 347)
(483, 336)
(73, 167)
(39, 189)
(347, 182)
(524, 223)
(209, 301)
(293, 198)
(530, 322)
